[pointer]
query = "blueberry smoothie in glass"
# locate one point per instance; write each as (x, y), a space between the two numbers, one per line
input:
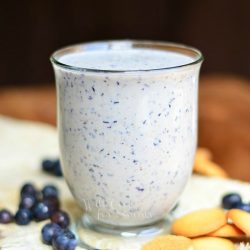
(127, 120)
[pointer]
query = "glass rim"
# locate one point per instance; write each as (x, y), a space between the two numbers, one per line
(192, 52)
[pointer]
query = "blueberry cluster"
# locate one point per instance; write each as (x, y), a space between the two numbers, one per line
(52, 167)
(234, 200)
(39, 205)
(60, 238)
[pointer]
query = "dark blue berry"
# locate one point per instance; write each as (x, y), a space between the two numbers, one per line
(48, 165)
(72, 244)
(41, 211)
(29, 189)
(231, 200)
(65, 241)
(57, 169)
(53, 203)
(60, 242)
(52, 166)
(68, 233)
(61, 218)
(244, 206)
(6, 216)
(27, 201)
(49, 191)
(23, 216)
(49, 231)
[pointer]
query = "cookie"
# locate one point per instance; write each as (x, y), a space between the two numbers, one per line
(241, 219)
(203, 154)
(208, 168)
(168, 242)
(227, 231)
(200, 222)
(212, 243)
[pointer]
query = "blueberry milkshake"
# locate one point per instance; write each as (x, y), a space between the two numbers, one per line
(127, 120)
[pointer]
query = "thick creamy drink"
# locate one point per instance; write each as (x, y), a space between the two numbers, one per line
(127, 119)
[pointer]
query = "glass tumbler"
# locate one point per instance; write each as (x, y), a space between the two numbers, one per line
(128, 135)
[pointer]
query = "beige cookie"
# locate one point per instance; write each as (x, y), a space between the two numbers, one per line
(200, 222)
(203, 154)
(168, 242)
(212, 243)
(241, 219)
(208, 168)
(227, 231)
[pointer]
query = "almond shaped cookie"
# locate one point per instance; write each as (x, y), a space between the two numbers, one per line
(168, 242)
(200, 222)
(228, 231)
(212, 243)
(241, 219)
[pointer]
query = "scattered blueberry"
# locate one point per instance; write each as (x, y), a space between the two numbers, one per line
(50, 231)
(57, 169)
(52, 167)
(231, 200)
(72, 244)
(53, 203)
(29, 189)
(60, 242)
(48, 165)
(6, 216)
(64, 241)
(68, 233)
(41, 211)
(49, 191)
(27, 201)
(23, 216)
(41, 206)
(61, 218)
(243, 206)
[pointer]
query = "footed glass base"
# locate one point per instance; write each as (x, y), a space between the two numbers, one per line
(94, 235)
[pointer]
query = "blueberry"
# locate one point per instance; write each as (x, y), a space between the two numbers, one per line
(60, 242)
(72, 244)
(48, 165)
(28, 188)
(23, 216)
(27, 201)
(61, 218)
(53, 167)
(243, 206)
(68, 233)
(57, 169)
(6, 216)
(231, 200)
(49, 191)
(53, 203)
(49, 231)
(64, 241)
(41, 211)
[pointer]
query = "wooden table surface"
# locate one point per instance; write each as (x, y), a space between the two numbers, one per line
(224, 116)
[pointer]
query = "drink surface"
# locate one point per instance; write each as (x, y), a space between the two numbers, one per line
(127, 59)
(127, 141)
